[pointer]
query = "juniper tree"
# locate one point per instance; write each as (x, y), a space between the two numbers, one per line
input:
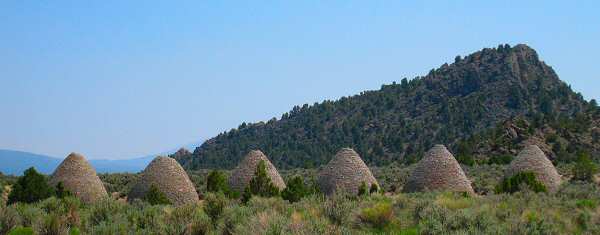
(156, 197)
(61, 191)
(31, 187)
(295, 190)
(216, 181)
(260, 184)
(585, 168)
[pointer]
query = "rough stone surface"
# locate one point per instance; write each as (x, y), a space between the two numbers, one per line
(346, 171)
(170, 178)
(78, 176)
(438, 171)
(243, 173)
(533, 159)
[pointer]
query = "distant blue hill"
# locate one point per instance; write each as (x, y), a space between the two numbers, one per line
(126, 165)
(15, 162)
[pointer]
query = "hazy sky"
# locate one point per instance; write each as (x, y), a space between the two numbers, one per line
(120, 79)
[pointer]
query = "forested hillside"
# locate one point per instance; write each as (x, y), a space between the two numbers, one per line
(485, 105)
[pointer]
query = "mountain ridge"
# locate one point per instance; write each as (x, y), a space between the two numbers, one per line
(14, 162)
(400, 121)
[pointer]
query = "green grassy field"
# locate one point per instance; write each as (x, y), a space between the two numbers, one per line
(572, 210)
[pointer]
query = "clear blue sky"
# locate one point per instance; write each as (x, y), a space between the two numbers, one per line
(120, 79)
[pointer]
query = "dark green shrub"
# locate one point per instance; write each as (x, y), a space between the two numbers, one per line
(214, 205)
(500, 159)
(363, 189)
(409, 231)
(260, 184)
(21, 231)
(585, 168)
(464, 153)
(378, 216)
(551, 138)
(31, 187)
(465, 160)
(586, 203)
(246, 195)
(232, 194)
(374, 189)
(514, 183)
(74, 231)
(61, 191)
(583, 219)
(313, 187)
(156, 197)
(295, 190)
(216, 181)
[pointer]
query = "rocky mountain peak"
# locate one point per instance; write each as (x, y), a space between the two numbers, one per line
(402, 120)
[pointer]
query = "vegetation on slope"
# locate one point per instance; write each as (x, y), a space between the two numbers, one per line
(462, 103)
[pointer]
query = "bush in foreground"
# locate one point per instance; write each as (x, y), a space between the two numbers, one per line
(516, 182)
(214, 205)
(260, 184)
(216, 181)
(156, 197)
(575, 211)
(295, 190)
(31, 187)
(339, 208)
(378, 216)
(21, 231)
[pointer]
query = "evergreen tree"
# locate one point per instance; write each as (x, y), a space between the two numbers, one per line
(260, 184)
(465, 153)
(363, 189)
(374, 189)
(246, 195)
(594, 103)
(61, 191)
(585, 168)
(155, 197)
(215, 203)
(546, 105)
(216, 181)
(404, 83)
(514, 183)
(295, 190)
(31, 187)
(500, 159)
